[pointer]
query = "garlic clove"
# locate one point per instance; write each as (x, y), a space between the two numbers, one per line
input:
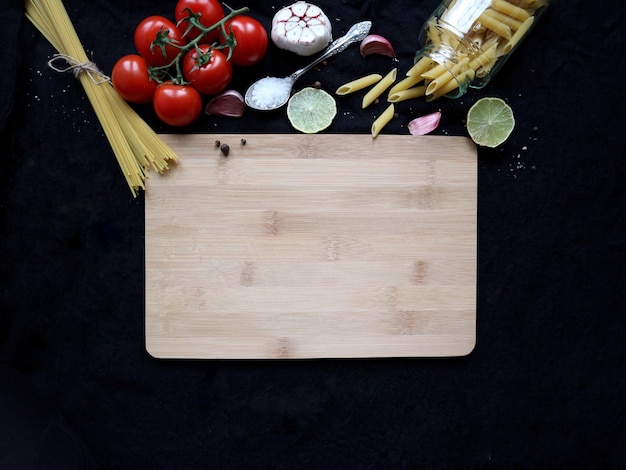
(229, 103)
(302, 28)
(425, 124)
(375, 44)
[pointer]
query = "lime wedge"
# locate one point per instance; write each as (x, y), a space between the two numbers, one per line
(490, 122)
(311, 110)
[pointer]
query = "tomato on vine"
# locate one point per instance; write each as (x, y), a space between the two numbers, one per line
(207, 69)
(208, 13)
(178, 63)
(177, 105)
(131, 79)
(158, 40)
(251, 40)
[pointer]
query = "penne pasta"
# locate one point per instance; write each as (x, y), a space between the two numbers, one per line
(409, 93)
(512, 23)
(509, 9)
(358, 84)
(496, 26)
(434, 34)
(484, 58)
(434, 72)
(478, 39)
(452, 85)
(420, 67)
(379, 88)
(408, 82)
(519, 34)
(493, 40)
(446, 76)
(382, 120)
(483, 71)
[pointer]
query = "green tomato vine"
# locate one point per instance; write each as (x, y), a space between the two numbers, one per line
(164, 73)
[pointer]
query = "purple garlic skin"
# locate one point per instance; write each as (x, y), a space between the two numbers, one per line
(376, 44)
(424, 124)
(229, 103)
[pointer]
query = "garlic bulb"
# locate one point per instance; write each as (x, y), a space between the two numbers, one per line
(302, 28)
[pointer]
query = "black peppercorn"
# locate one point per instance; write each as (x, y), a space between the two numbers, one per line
(224, 148)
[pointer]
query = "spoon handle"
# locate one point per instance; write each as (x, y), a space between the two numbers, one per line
(356, 33)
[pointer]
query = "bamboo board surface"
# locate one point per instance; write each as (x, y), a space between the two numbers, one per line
(312, 246)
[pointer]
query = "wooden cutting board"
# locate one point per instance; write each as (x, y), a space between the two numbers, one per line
(312, 246)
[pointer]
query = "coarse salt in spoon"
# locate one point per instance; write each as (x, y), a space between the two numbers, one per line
(271, 93)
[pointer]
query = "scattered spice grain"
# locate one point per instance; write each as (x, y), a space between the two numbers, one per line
(225, 149)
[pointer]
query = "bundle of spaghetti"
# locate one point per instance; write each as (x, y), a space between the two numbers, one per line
(136, 146)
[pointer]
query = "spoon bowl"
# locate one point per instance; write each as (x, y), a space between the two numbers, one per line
(270, 93)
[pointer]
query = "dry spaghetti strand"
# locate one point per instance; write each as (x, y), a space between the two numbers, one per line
(136, 146)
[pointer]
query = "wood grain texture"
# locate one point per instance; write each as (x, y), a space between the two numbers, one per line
(312, 246)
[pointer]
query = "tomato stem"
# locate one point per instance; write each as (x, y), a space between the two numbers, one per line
(161, 73)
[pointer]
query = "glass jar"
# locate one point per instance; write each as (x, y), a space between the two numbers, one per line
(465, 42)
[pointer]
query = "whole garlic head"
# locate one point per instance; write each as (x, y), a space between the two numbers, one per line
(302, 28)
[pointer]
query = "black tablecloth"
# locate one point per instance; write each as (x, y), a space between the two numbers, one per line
(544, 387)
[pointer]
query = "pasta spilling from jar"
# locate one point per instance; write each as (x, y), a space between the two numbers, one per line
(465, 43)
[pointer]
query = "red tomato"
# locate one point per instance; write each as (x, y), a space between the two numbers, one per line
(251, 39)
(210, 11)
(209, 77)
(177, 105)
(131, 79)
(154, 39)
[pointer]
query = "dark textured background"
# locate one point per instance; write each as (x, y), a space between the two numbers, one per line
(545, 386)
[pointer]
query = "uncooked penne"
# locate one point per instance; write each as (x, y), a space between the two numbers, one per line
(406, 83)
(451, 85)
(484, 58)
(382, 120)
(434, 72)
(409, 93)
(446, 76)
(359, 84)
(434, 34)
(379, 88)
(512, 23)
(496, 26)
(519, 34)
(509, 9)
(420, 67)
(483, 71)
(493, 40)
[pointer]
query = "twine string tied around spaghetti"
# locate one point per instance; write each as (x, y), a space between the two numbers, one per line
(77, 67)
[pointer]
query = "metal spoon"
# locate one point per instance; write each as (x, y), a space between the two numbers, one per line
(281, 87)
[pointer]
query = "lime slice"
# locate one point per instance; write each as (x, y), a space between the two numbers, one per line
(490, 122)
(311, 110)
